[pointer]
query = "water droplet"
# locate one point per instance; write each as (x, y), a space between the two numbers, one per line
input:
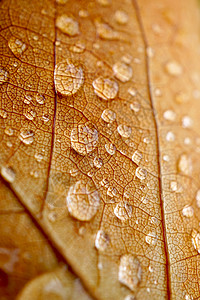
(40, 99)
(34, 173)
(124, 131)
(3, 114)
(187, 141)
(150, 269)
(185, 164)
(39, 157)
(8, 174)
(108, 115)
(77, 48)
(198, 198)
(188, 211)
(52, 216)
(105, 88)
(9, 144)
(83, 13)
(137, 156)
(129, 297)
(166, 157)
(30, 114)
(196, 240)
(45, 118)
(173, 186)
(27, 99)
(98, 162)
(3, 76)
(170, 137)
(169, 115)
(127, 58)
(102, 240)
(83, 200)
(110, 148)
(123, 211)
(129, 271)
(61, 1)
(104, 31)
(132, 91)
(104, 2)
(9, 131)
(187, 122)
(84, 138)
(121, 17)
(68, 25)
(174, 68)
(122, 71)
(135, 106)
(150, 52)
(26, 136)
(151, 238)
(141, 173)
(16, 46)
(111, 192)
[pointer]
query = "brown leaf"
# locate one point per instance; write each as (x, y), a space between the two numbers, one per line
(99, 138)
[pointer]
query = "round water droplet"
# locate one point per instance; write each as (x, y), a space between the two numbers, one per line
(30, 114)
(122, 71)
(83, 200)
(16, 46)
(198, 198)
(110, 148)
(68, 25)
(170, 137)
(83, 13)
(104, 2)
(185, 164)
(169, 115)
(135, 106)
(108, 115)
(26, 136)
(129, 271)
(127, 58)
(77, 48)
(188, 211)
(69, 77)
(8, 174)
(40, 99)
(121, 17)
(105, 88)
(137, 156)
(3, 76)
(151, 238)
(3, 114)
(174, 68)
(187, 122)
(102, 240)
(123, 211)
(98, 162)
(124, 131)
(132, 91)
(196, 240)
(141, 173)
(9, 131)
(104, 31)
(173, 186)
(84, 138)
(39, 157)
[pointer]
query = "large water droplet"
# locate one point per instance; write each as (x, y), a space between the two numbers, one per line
(174, 68)
(68, 25)
(123, 210)
(16, 46)
(8, 174)
(121, 17)
(188, 211)
(26, 136)
(122, 71)
(137, 156)
(102, 240)
(185, 164)
(124, 131)
(130, 271)
(69, 77)
(3, 76)
(110, 148)
(105, 88)
(141, 173)
(83, 200)
(196, 240)
(84, 138)
(108, 115)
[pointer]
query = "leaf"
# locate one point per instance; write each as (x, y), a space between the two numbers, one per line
(99, 139)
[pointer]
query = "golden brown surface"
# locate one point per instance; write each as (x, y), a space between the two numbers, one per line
(99, 123)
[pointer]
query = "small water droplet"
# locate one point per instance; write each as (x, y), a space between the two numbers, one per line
(8, 174)
(3, 76)
(102, 240)
(9, 131)
(108, 115)
(111, 192)
(34, 173)
(124, 131)
(187, 141)
(135, 106)
(173, 186)
(141, 173)
(69, 77)
(187, 122)
(16, 46)
(45, 118)
(127, 58)
(3, 114)
(84, 138)
(105, 88)
(110, 148)
(129, 297)
(170, 137)
(68, 25)
(136, 157)
(174, 68)
(130, 271)
(188, 211)
(123, 211)
(166, 158)
(196, 240)
(98, 162)
(150, 269)
(26, 136)
(198, 198)
(150, 52)
(151, 238)
(52, 216)
(169, 115)
(122, 71)
(39, 157)
(77, 48)
(40, 99)
(27, 99)
(83, 13)
(83, 200)
(9, 144)
(185, 164)
(132, 91)
(104, 31)
(30, 114)
(121, 17)
(104, 2)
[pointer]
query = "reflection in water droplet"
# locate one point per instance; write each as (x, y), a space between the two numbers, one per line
(84, 138)
(98, 162)
(151, 238)
(69, 77)
(174, 68)
(3, 76)
(141, 173)
(105, 88)
(40, 99)
(110, 148)
(26, 136)
(130, 271)
(185, 164)
(124, 131)
(108, 115)
(83, 200)
(102, 240)
(123, 211)
(121, 17)
(8, 174)
(16, 46)
(122, 71)
(68, 25)
(137, 156)
(3, 114)
(196, 240)
(188, 211)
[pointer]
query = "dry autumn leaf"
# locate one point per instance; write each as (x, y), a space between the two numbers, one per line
(99, 131)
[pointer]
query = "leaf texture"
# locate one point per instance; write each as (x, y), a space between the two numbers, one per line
(100, 144)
